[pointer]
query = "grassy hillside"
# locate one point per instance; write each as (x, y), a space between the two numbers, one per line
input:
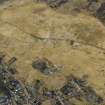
(19, 26)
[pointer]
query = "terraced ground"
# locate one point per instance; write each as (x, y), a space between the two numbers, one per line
(29, 30)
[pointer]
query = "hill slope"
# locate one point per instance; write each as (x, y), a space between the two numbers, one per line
(29, 30)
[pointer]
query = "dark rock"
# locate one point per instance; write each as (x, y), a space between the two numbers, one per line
(44, 66)
(100, 13)
(3, 1)
(13, 87)
(56, 3)
(4, 100)
(91, 96)
(78, 88)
